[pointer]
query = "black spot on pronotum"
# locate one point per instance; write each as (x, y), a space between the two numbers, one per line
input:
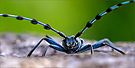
(88, 24)
(5, 15)
(19, 18)
(34, 21)
(108, 10)
(98, 17)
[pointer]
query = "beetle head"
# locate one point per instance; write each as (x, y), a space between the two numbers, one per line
(70, 42)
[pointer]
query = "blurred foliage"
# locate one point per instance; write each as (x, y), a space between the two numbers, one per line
(70, 17)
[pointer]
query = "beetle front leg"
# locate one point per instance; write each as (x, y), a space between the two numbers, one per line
(85, 48)
(34, 47)
(100, 43)
(54, 47)
(97, 45)
(48, 39)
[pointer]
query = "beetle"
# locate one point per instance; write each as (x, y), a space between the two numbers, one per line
(72, 44)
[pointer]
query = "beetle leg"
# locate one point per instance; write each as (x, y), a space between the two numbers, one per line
(114, 48)
(34, 47)
(100, 43)
(106, 42)
(54, 47)
(85, 48)
(49, 40)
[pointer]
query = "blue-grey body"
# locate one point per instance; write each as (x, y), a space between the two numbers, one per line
(72, 44)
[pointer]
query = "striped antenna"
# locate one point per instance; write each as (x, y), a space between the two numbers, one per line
(34, 21)
(99, 16)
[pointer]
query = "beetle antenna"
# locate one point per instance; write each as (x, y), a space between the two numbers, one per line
(34, 21)
(99, 16)
(47, 26)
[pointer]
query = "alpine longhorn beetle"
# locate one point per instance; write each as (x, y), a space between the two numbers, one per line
(72, 44)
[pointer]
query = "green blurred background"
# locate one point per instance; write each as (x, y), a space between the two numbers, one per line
(70, 17)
